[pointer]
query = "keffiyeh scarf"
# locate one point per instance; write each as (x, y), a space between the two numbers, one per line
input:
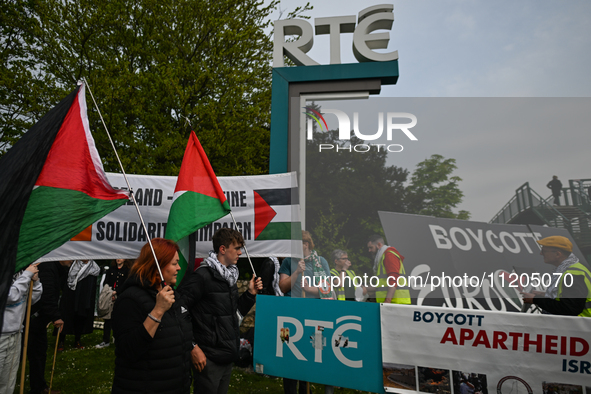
(276, 288)
(79, 271)
(378, 257)
(230, 274)
(552, 290)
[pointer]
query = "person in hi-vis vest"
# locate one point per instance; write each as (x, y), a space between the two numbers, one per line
(346, 290)
(389, 268)
(571, 294)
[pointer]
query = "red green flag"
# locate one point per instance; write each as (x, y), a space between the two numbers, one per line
(198, 200)
(71, 192)
(52, 186)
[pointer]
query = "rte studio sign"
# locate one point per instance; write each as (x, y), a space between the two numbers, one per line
(378, 17)
(365, 40)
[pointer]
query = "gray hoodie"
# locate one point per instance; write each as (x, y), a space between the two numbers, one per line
(16, 304)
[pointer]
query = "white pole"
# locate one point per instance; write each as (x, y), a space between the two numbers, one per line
(127, 181)
(246, 250)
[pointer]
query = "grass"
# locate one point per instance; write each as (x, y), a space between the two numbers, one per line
(90, 370)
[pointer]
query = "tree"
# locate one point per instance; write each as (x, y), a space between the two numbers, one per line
(349, 189)
(156, 68)
(345, 191)
(432, 191)
(19, 85)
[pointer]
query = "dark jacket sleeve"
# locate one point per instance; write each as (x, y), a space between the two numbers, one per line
(191, 291)
(570, 304)
(110, 277)
(128, 328)
(246, 302)
(50, 279)
(192, 288)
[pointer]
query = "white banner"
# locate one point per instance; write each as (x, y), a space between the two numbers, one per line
(265, 207)
(444, 350)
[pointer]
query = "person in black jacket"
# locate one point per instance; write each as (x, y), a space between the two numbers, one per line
(53, 276)
(151, 327)
(556, 186)
(212, 297)
(78, 301)
(114, 278)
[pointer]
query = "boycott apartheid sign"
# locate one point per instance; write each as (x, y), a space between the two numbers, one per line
(265, 207)
(421, 349)
(441, 350)
(468, 264)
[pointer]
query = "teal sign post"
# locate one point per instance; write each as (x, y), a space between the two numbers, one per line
(329, 342)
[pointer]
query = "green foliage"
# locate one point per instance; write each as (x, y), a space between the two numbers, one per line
(433, 191)
(345, 191)
(349, 189)
(329, 232)
(157, 69)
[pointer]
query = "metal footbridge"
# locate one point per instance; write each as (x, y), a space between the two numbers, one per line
(573, 213)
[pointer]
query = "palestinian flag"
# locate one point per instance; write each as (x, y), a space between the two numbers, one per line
(52, 186)
(273, 214)
(198, 200)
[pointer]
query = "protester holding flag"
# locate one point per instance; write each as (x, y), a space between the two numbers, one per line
(10, 340)
(212, 297)
(151, 327)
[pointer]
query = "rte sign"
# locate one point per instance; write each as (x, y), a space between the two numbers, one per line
(378, 17)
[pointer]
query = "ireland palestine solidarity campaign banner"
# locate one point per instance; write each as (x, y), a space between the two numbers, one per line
(265, 207)
(444, 350)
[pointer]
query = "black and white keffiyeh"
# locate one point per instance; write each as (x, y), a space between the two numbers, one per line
(552, 290)
(230, 274)
(276, 288)
(80, 270)
(378, 257)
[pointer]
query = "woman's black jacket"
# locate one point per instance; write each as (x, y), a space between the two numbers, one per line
(144, 364)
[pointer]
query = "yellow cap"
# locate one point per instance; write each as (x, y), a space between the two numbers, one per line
(556, 241)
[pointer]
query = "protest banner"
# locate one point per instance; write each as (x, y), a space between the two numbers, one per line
(449, 350)
(265, 207)
(467, 264)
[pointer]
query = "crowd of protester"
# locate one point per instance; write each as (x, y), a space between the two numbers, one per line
(169, 337)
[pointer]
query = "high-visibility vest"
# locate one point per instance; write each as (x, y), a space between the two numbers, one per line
(341, 290)
(578, 269)
(401, 295)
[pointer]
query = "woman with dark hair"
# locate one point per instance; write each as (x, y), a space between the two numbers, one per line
(153, 332)
(114, 278)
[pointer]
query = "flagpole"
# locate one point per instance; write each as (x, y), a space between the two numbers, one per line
(127, 181)
(26, 342)
(246, 250)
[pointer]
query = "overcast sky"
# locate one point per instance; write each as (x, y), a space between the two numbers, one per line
(479, 49)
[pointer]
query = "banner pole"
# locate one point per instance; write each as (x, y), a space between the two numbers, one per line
(525, 307)
(126, 181)
(191, 262)
(26, 343)
(246, 250)
(54, 357)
